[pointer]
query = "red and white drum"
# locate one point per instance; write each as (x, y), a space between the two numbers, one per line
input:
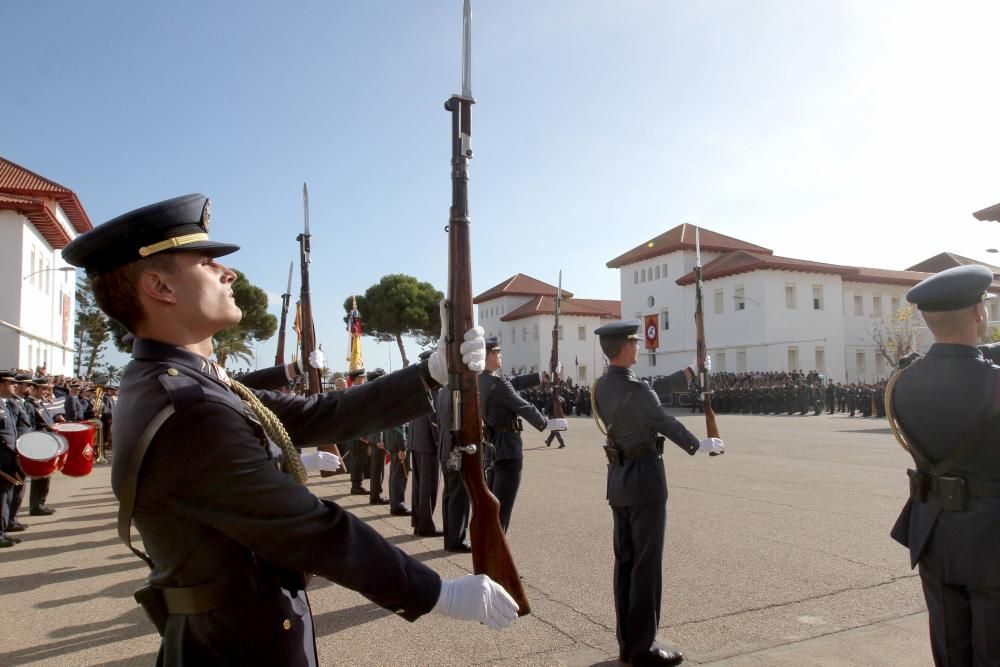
(41, 453)
(80, 457)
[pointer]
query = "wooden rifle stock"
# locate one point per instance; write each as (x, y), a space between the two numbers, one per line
(279, 356)
(490, 551)
(308, 338)
(703, 380)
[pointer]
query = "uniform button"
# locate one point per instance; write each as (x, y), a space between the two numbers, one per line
(287, 625)
(173, 371)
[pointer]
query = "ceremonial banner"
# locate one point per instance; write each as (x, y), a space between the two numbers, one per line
(652, 332)
(354, 359)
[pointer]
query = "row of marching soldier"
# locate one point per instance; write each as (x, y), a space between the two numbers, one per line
(30, 405)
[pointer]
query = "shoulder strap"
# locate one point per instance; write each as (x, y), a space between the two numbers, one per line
(127, 505)
(597, 409)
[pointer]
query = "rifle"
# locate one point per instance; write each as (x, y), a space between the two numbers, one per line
(308, 339)
(490, 551)
(557, 410)
(699, 326)
(279, 356)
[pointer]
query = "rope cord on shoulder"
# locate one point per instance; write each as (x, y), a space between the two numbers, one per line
(291, 463)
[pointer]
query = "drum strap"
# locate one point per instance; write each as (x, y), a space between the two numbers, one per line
(127, 505)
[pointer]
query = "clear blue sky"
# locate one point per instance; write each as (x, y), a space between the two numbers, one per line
(852, 132)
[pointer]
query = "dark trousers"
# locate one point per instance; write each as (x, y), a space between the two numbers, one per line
(39, 492)
(638, 541)
(555, 435)
(17, 498)
(504, 480)
(376, 472)
(963, 623)
(454, 508)
(6, 491)
(424, 490)
(359, 462)
(397, 483)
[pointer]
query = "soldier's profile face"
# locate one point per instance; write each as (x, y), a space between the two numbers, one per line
(204, 291)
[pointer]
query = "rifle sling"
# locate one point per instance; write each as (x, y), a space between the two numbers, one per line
(610, 425)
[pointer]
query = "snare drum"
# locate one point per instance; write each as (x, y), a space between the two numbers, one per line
(41, 453)
(79, 460)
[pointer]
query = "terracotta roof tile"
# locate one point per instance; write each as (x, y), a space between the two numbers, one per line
(545, 305)
(36, 211)
(682, 237)
(948, 260)
(16, 180)
(990, 213)
(520, 285)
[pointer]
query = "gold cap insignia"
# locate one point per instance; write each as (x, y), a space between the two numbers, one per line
(206, 214)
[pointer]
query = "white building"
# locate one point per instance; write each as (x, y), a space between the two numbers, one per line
(762, 312)
(37, 310)
(520, 312)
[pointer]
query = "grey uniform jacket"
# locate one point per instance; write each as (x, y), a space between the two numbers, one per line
(642, 479)
(939, 400)
(500, 406)
(422, 438)
(394, 439)
(211, 504)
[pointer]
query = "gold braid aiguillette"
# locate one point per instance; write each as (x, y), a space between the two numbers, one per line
(291, 463)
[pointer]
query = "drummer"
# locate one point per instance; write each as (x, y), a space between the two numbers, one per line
(43, 419)
(8, 461)
(24, 424)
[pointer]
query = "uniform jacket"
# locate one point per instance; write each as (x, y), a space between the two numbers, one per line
(940, 399)
(40, 414)
(23, 419)
(74, 409)
(211, 504)
(500, 406)
(8, 439)
(394, 439)
(642, 479)
(423, 435)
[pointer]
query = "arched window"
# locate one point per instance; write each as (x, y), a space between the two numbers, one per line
(657, 271)
(635, 278)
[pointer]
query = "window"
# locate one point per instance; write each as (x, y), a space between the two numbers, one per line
(513, 335)
(635, 277)
(665, 319)
(643, 275)
(581, 374)
(581, 333)
(790, 298)
(895, 305)
(657, 271)
(817, 297)
(718, 301)
(739, 298)
(535, 332)
(652, 360)
(859, 362)
(719, 362)
(859, 306)
(741, 361)
(877, 305)
(820, 360)
(664, 270)
(524, 334)
(793, 357)
(879, 366)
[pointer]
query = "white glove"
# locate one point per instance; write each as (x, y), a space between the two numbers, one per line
(711, 446)
(559, 369)
(557, 425)
(473, 351)
(694, 365)
(316, 461)
(476, 597)
(316, 359)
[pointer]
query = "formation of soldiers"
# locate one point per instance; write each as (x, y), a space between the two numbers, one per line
(794, 392)
(35, 402)
(575, 398)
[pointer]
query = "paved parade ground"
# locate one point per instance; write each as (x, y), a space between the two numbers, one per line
(777, 553)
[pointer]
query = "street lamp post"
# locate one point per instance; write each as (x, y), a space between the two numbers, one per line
(64, 269)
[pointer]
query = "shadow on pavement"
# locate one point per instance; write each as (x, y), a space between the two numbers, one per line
(885, 431)
(73, 638)
(123, 590)
(331, 622)
(22, 583)
(86, 503)
(35, 534)
(91, 517)
(41, 552)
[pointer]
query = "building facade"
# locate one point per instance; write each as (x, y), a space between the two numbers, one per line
(38, 217)
(520, 312)
(763, 312)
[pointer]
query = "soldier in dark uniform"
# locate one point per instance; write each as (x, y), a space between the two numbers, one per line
(395, 446)
(945, 408)
(455, 506)
(24, 423)
(376, 459)
(358, 447)
(423, 443)
(8, 462)
(43, 420)
(637, 489)
(501, 408)
(228, 533)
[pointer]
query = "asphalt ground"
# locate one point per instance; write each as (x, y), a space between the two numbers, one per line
(777, 553)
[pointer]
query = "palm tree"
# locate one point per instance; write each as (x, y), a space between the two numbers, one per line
(230, 343)
(114, 373)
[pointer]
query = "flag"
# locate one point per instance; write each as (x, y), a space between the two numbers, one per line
(652, 332)
(297, 328)
(354, 359)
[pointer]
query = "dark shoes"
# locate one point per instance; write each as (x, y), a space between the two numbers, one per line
(16, 527)
(658, 656)
(561, 447)
(425, 533)
(463, 548)
(6, 542)
(359, 491)
(378, 501)
(400, 511)
(41, 510)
